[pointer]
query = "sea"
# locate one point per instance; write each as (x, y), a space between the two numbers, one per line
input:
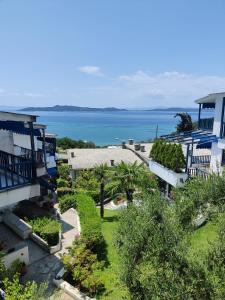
(110, 128)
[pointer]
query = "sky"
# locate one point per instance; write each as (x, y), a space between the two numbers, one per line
(100, 53)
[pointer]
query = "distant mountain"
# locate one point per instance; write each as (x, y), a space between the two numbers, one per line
(70, 108)
(180, 109)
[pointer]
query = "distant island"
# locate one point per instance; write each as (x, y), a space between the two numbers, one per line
(70, 108)
(61, 108)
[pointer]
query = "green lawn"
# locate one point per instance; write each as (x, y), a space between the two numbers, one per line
(201, 238)
(110, 274)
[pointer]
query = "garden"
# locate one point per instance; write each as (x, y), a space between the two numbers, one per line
(151, 249)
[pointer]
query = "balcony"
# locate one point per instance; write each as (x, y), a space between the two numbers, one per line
(206, 124)
(14, 171)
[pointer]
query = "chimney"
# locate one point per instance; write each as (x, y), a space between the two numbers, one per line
(142, 148)
(130, 141)
(112, 162)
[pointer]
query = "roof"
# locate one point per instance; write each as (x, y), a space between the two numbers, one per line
(89, 158)
(210, 98)
(11, 116)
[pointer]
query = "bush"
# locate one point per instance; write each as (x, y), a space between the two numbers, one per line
(90, 222)
(169, 155)
(64, 171)
(47, 228)
(62, 183)
(64, 190)
(83, 266)
(66, 202)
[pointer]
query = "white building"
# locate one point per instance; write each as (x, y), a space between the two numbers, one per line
(216, 125)
(27, 159)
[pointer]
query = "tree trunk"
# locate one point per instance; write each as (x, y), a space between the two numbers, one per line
(129, 194)
(102, 192)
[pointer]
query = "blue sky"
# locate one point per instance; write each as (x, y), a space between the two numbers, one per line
(124, 53)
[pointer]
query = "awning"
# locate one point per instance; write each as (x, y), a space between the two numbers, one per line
(18, 127)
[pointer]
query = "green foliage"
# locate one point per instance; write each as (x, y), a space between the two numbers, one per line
(168, 154)
(216, 262)
(84, 267)
(64, 190)
(185, 123)
(199, 196)
(66, 202)
(47, 228)
(87, 183)
(153, 254)
(68, 143)
(64, 171)
(90, 222)
(28, 291)
(62, 183)
(127, 178)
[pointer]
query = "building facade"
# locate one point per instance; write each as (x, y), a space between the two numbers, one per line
(27, 160)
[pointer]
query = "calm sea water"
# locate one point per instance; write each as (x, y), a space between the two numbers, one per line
(105, 128)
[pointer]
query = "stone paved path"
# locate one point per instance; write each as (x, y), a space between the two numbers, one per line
(46, 268)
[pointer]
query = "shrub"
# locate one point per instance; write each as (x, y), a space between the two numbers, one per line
(64, 190)
(64, 171)
(66, 202)
(47, 228)
(169, 155)
(90, 222)
(83, 265)
(62, 183)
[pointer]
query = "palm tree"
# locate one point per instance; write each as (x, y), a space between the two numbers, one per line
(101, 172)
(185, 123)
(126, 178)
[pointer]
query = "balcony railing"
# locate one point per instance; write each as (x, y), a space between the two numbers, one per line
(14, 170)
(201, 159)
(206, 124)
(26, 153)
(197, 172)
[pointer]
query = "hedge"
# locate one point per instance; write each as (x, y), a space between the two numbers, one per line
(47, 228)
(90, 222)
(169, 155)
(66, 202)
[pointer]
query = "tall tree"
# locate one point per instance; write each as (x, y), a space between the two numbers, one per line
(101, 172)
(185, 123)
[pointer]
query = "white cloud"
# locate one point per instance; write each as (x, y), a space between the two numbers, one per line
(91, 70)
(169, 88)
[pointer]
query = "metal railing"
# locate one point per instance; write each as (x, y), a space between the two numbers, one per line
(206, 124)
(26, 153)
(14, 170)
(197, 172)
(201, 159)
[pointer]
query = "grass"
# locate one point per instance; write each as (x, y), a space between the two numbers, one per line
(201, 238)
(110, 274)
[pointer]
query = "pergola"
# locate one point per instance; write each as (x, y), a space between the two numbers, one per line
(191, 138)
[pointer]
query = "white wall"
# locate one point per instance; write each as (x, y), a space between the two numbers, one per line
(217, 117)
(216, 158)
(23, 140)
(6, 141)
(21, 252)
(174, 179)
(16, 195)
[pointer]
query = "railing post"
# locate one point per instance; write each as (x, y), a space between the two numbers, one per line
(34, 170)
